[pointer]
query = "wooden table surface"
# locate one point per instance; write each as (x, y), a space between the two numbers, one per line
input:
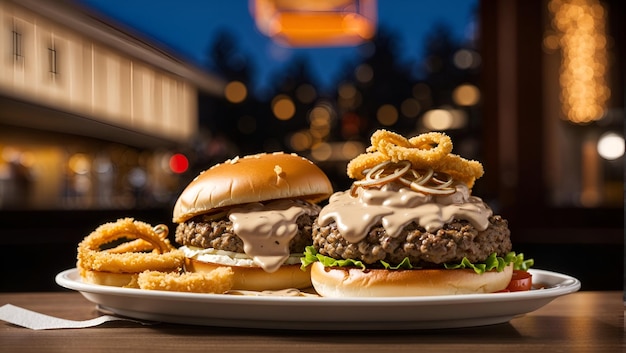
(579, 322)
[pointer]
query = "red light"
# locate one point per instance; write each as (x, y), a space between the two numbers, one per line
(179, 163)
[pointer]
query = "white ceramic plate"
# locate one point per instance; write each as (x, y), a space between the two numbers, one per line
(315, 313)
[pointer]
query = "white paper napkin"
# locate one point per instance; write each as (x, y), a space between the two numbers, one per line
(36, 321)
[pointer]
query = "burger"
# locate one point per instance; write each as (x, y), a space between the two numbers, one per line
(254, 214)
(409, 226)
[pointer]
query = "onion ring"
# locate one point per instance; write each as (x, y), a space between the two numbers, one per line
(424, 152)
(219, 280)
(139, 245)
(162, 257)
(425, 149)
(363, 162)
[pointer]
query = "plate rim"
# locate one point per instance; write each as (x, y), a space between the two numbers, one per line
(242, 311)
(70, 279)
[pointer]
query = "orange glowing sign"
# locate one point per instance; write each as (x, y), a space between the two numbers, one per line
(315, 23)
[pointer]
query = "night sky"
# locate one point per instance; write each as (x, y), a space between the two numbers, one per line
(189, 30)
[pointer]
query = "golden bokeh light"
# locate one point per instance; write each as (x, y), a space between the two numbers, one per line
(320, 118)
(438, 119)
(322, 151)
(580, 26)
(301, 140)
(235, 92)
(444, 119)
(283, 107)
(387, 114)
(551, 42)
(466, 95)
(347, 91)
(79, 163)
(348, 96)
(351, 149)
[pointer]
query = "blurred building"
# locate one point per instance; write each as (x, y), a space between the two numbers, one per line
(553, 136)
(91, 115)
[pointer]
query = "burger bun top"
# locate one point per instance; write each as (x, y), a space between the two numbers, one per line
(254, 178)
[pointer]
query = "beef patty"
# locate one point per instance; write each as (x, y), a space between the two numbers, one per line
(204, 232)
(449, 244)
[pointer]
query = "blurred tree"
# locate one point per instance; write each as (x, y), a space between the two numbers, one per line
(227, 128)
(379, 80)
(227, 60)
(369, 95)
(294, 82)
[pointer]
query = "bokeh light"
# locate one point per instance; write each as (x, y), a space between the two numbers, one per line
(580, 26)
(178, 163)
(283, 107)
(364, 73)
(611, 146)
(235, 92)
(466, 95)
(387, 114)
(466, 59)
(437, 119)
(322, 151)
(410, 108)
(301, 140)
(79, 163)
(444, 119)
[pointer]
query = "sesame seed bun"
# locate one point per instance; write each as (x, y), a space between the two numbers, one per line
(255, 178)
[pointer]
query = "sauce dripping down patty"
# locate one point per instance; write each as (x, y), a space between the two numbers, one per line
(394, 207)
(267, 229)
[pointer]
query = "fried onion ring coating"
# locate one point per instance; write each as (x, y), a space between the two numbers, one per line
(364, 162)
(425, 149)
(124, 258)
(429, 150)
(219, 280)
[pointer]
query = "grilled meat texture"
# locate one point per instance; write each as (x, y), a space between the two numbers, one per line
(204, 232)
(449, 244)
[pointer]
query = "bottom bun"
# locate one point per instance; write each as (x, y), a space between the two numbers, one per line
(352, 282)
(255, 278)
(110, 278)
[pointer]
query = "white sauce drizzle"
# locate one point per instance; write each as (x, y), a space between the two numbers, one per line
(267, 229)
(395, 207)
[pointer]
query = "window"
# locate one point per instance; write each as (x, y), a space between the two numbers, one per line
(17, 45)
(52, 60)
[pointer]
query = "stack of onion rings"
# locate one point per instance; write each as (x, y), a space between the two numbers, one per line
(143, 248)
(429, 151)
(144, 258)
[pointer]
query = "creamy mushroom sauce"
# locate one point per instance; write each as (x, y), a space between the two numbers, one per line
(267, 229)
(394, 207)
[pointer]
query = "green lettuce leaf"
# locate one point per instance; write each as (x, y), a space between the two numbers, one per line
(404, 265)
(493, 262)
(311, 255)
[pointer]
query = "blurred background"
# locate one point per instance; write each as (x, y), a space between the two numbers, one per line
(109, 108)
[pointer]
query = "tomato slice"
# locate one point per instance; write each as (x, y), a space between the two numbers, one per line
(521, 281)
